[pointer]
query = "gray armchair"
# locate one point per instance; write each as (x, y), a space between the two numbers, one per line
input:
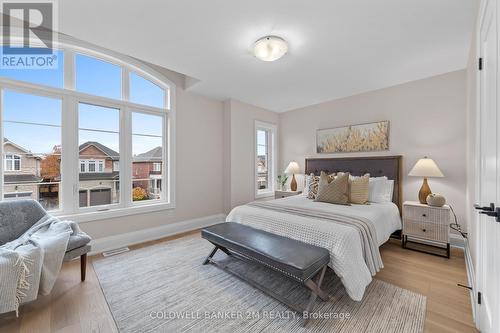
(18, 216)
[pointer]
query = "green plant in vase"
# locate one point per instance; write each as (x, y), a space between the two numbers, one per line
(282, 179)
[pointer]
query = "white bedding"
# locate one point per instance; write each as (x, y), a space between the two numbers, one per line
(385, 216)
(342, 241)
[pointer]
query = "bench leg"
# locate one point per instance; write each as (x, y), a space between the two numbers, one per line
(315, 292)
(207, 260)
(83, 266)
(226, 251)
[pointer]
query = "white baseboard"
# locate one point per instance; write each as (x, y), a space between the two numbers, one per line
(113, 242)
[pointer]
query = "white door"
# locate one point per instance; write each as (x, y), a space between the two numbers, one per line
(489, 176)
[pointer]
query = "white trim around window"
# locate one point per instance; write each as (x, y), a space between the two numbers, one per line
(272, 158)
(70, 161)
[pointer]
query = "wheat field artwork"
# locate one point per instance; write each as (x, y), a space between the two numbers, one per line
(354, 138)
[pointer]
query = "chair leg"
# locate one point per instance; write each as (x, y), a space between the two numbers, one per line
(83, 265)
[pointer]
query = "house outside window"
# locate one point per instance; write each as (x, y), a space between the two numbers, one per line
(265, 159)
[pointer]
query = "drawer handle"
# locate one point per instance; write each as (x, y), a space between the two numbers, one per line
(424, 215)
(424, 230)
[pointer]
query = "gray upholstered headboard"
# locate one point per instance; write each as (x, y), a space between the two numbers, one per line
(376, 166)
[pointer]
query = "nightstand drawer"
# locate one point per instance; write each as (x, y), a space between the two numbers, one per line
(425, 230)
(427, 214)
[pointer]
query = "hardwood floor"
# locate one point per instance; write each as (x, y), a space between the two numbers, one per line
(81, 307)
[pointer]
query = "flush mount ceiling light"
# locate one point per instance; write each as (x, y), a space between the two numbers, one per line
(270, 48)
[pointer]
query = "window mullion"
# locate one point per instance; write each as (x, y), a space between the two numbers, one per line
(125, 84)
(126, 157)
(69, 156)
(166, 168)
(69, 70)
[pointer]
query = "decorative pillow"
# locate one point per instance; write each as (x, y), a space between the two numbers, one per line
(334, 191)
(312, 183)
(359, 189)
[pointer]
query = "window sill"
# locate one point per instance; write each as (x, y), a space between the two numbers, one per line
(116, 212)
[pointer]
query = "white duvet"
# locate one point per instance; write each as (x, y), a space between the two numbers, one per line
(342, 241)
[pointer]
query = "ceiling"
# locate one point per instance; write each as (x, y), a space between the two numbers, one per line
(337, 48)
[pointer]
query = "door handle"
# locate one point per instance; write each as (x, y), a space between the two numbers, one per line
(495, 213)
(490, 208)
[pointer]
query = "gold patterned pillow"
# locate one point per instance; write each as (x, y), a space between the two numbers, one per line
(334, 191)
(313, 182)
(359, 189)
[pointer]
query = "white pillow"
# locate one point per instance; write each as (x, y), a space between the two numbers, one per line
(389, 191)
(378, 189)
(307, 182)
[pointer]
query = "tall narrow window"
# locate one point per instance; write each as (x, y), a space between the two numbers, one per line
(147, 159)
(32, 148)
(99, 138)
(265, 165)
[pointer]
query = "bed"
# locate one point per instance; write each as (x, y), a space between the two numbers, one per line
(352, 234)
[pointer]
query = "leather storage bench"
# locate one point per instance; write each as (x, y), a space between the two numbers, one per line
(297, 260)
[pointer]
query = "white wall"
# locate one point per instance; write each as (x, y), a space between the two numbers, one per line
(427, 117)
(240, 155)
(199, 168)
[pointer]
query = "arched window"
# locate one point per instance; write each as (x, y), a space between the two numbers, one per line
(100, 119)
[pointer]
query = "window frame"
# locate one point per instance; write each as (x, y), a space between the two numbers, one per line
(272, 169)
(70, 161)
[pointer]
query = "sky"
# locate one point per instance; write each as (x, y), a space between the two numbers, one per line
(261, 143)
(34, 122)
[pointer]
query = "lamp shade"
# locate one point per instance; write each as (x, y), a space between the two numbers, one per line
(425, 167)
(292, 168)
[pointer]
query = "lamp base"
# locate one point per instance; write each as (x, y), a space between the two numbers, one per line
(293, 184)
(425, 190)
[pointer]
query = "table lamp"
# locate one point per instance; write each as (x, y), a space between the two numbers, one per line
(292, 169)
(425, 167)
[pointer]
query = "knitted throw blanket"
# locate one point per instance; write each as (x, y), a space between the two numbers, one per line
(30, 264)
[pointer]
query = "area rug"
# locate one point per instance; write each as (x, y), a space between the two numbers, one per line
(165, 288)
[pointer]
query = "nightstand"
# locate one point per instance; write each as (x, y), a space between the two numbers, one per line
(427, 227)
(284, 194)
